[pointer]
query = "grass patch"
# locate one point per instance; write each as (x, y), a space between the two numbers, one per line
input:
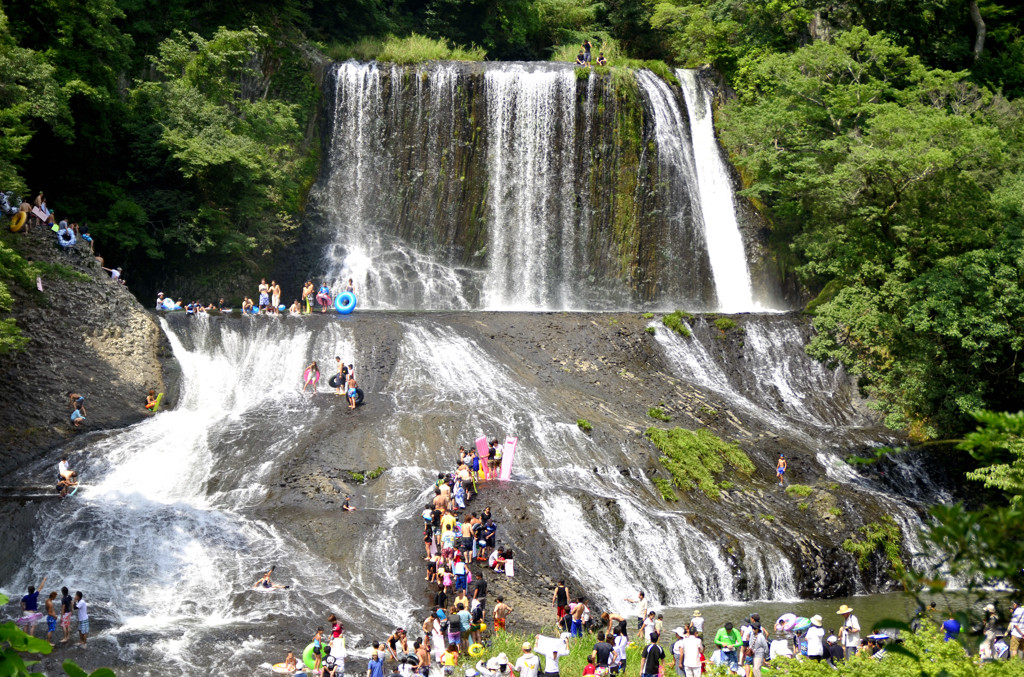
(725, 324)
(358, 478)
(705, 410)
(803, 505)
(584, 425)
(726, 485)
(411, 49)
(677, 322)
(882, 537)
(665, 488)
(651, 330)
(693, 458)
(833, 486)
(766, 517)
(835, 512)
(616, 57)
(60, 271)
(511, 644)
(658, 414)
(375, 473)
(801, 490)
(648, 316)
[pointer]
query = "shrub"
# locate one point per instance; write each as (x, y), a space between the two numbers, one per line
(357, 477)
(584, 425)
(725, 324)
(803, 505)
(375, 473)
(693, 458)
(801, 490)
(412, 49)
(677, 322)
(835, 512)
(882, 537)
(651, 331)
(657, 414)
(665, 488)
(766, 517)
(647, 316)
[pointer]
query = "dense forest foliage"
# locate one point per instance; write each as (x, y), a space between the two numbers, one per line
(882, 140)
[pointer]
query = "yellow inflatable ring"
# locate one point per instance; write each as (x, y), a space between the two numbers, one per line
(483, 626)
(476, 650)
(18, 221)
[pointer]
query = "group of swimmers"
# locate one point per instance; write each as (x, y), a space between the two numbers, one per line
(343, 381)
(30, 614)
(268, 301)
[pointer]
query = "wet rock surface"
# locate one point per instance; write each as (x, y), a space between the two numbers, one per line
(87, 334)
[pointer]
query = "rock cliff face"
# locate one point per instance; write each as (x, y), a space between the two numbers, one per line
(87, 334)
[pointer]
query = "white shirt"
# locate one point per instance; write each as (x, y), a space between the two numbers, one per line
(527, 665)
(698, 622)
(691, 651)
(745, 632)
(114, 274)
(677, 648)
(621, 644)
(1017, 622)
(779, 647)
(814, 638)
(83, 610)
(62, 468)
(648, 629)
(641, 608)
(852, 638)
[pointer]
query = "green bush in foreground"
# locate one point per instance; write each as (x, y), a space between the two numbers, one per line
(677, 322)
(511, 644)
(693, 458)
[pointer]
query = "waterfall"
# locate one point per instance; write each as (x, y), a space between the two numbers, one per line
(364, 182)
(677, 178)
(520, 186)
(531, 161)
(717, 203)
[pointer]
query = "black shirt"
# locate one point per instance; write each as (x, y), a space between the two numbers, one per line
(441, 599)
(561, 596)
(480, 587)
(66, 603)
(652, 657)
(435, 518)
(604, 652)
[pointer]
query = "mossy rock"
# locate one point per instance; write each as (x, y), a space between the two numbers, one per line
(694, 457)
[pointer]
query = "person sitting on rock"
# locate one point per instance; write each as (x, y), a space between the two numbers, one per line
(151, 400)
(78, 415)
(581, 59)
(601, 61)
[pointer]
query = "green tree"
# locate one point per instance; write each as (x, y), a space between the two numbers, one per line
(233, 145)
(898, 186)
(28, 93)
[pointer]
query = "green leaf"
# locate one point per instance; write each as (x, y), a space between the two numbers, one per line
(72, 670)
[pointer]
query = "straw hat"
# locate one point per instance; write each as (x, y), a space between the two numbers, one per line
(845, 610)
(697, 612)
(816, 620)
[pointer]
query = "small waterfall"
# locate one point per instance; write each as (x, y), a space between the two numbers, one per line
(677, 178)
(531, 158)
(717, 202)
(364, 187)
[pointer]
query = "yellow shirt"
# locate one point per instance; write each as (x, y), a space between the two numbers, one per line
(448, 522)
(450, 658)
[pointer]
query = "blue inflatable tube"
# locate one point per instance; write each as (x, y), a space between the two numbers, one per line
(345, 303)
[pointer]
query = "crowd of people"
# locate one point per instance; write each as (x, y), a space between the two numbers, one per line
(268, 300)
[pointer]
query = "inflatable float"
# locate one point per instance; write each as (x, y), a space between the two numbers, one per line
(310, 376)
(18, 221)
(334, 381)
(345, 303)
(156, 404)
(307, 656)
(476, 650)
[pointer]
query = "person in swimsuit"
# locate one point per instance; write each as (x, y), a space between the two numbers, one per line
(313, 376)
(151, 400)
(51, 617)
(323, 297)
(352, 393)
(275, 296)
(307, 296)
(343, 372)
(265, 582)
(780, 469)
(349, 287)
(264, 294)
(345, 506)
(78, 415)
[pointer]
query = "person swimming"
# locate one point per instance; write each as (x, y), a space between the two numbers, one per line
(265, 582)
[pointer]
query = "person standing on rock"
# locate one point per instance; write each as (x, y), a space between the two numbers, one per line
(780, 469)
(501, 612)
(275, 295)
(65, 618)
(560, 600)
(264, 294)
(83, 617)
(641, 608)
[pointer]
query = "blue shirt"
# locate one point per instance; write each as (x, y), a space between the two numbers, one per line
(952, 628)
(31, 601)
(376, 667)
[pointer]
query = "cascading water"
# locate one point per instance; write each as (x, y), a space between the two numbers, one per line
(520, 186)
(531, 160)
(721, 231)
